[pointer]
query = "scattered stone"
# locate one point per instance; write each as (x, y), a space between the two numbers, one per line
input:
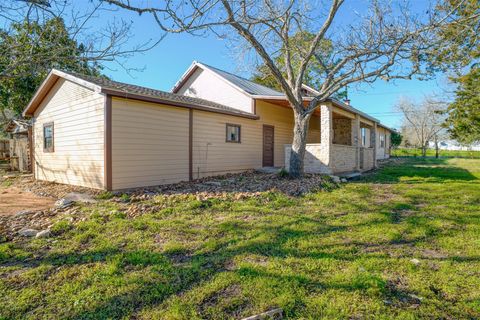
(415, 261)
(415, 297)
(351, 175)
(43, 234)
(22, 213)
(63, 203)
(213, 183)
(335, 179)
(343, 180)
(271, 314)
(28, 232)
(80, 197)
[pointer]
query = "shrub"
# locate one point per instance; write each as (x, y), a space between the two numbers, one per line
(283, 173)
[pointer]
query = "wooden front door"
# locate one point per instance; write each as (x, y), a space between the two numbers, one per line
(268, 142)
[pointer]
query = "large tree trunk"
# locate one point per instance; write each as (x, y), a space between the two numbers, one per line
(424, 149)
(436, 147)
(297, 155)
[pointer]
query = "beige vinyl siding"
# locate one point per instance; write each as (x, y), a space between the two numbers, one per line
(78, 117)
(282, 119)
(212, 155)
(149, 144)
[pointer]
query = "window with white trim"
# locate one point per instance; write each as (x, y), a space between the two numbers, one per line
(48, 137)
(233, 133)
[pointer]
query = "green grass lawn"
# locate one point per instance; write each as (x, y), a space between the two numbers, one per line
(342, 254)
(403, 152)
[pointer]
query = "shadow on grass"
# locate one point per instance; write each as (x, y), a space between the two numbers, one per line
(177, 273)
(419, 171)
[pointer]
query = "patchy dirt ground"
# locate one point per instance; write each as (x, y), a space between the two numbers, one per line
(13, 200)
(35, 199)
(26, 183)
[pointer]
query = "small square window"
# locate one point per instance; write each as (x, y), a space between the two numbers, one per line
(233, 133)
(48, 137)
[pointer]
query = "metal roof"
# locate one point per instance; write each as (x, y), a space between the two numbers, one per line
(258, 91)
(246, 85)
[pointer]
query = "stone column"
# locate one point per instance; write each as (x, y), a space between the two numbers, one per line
(326, 134)
(357, 140)
(373, 143)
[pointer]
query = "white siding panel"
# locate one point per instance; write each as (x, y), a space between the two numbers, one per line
(207, 85)
(78, 117)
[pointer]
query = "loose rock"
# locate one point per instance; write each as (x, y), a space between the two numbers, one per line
(22, 213)
(43, 234)
(213, 183)
(335, 179)
(28, 232)
(63, 203)
(80, 197)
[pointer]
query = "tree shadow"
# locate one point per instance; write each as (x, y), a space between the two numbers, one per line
(178, 273)
(415, 171)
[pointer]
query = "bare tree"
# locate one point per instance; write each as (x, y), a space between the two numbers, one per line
(109, 43)
(387, 42)
(423, 122)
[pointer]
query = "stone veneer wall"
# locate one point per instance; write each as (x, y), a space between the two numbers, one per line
(342, 129)
(343, 158)
(312, 162)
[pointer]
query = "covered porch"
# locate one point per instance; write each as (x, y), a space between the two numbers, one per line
(346, 142)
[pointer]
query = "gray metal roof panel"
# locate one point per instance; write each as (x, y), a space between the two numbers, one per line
(246, 85)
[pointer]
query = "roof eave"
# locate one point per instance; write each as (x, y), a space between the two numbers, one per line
(388, 128)
(259, 97)
(352, 109)
(186, 75)
(126, 95)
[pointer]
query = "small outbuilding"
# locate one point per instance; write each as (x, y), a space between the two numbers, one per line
(19, 151)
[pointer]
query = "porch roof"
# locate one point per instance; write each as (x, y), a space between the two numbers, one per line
(281, 100)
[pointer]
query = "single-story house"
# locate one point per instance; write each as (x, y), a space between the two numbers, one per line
(104, 134)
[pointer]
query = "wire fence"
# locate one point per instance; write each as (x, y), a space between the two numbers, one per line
(417, 152)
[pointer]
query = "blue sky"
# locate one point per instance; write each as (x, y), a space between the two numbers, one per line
(164, 65)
